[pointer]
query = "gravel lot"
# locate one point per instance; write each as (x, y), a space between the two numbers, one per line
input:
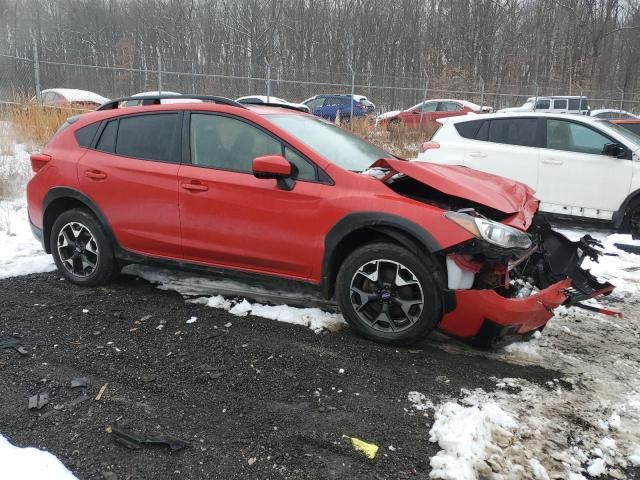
(254, 398)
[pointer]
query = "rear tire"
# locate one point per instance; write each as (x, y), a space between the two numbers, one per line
(633, 219)
(82, 251)
(389, 295)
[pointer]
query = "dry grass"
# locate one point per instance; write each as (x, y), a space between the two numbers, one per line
(399, 139)
(35, 125)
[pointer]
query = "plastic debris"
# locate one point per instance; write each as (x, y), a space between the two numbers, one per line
(368, 449)
(14, 342)
(135, 440)
(39, 400)
(80, 382)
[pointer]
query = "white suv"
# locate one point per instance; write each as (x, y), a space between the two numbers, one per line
(559, 104)
(578, 165)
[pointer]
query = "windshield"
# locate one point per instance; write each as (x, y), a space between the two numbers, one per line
(335, 144)
(623, 132)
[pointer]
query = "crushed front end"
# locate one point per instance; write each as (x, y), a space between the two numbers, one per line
(508, 282)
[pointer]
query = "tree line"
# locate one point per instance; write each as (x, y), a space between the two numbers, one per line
(591, 44)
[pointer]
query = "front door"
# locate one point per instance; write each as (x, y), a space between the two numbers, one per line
(575, 177)
(232, 219)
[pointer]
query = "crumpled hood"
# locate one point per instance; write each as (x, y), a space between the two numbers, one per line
(499, 193)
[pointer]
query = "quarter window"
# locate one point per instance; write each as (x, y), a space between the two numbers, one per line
(513, 131)
(574, 137)
(107, 142)
(543, 104)
(315, 103)
(468, 129)
(85, 135)
(428, 107)
(150, 137)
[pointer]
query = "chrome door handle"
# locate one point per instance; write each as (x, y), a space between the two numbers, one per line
(478, 155)
(552, 161)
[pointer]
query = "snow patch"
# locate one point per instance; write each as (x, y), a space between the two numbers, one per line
(30, 463)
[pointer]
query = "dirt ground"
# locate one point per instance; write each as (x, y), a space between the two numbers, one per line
(254, 398)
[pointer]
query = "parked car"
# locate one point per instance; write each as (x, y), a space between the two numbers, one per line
(328, 105)
(134, 102)
(262, 99)
(61, 97)
(430, 111)
(578, 165)
(403, 247)
(554, 104)
(609, 114)
(633, 125)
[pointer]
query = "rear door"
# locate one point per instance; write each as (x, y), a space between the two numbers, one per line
(232, 219)
(575, 177)
(507, 147)
(131, 174)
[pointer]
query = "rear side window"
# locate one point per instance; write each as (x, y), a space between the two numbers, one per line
(561, 104)
(84, 135)
(468, 129)
(634, 127)
(449, 107)
(514, 131)
(543, 104)
(149, 137)
(578, 104)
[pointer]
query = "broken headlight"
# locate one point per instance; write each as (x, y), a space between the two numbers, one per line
(495, 233)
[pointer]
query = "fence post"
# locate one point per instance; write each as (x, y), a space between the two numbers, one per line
(159, 71)
(481, 93)
(268, 79)
(36, 70)
(424, 96)
(621, 98)
(353, 87)
(535, 102)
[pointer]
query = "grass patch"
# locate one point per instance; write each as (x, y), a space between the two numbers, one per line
(399, 139)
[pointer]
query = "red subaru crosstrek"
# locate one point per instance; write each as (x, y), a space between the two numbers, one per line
(403, 247)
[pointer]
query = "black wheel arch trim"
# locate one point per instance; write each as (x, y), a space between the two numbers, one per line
(408, 234)
(58, 193)
(619, 215)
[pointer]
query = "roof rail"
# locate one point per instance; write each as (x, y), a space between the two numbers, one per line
(270, 104)
(155, 100)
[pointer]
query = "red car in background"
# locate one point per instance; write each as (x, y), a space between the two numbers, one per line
(632, 125)
(428, 112)
(403, 247)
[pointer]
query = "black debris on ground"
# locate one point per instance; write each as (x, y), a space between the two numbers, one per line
(259, 399)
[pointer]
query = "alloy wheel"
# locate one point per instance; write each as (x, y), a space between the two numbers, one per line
(386, 295)
(78, 249)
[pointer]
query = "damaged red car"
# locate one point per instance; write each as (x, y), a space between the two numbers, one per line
(402, 247)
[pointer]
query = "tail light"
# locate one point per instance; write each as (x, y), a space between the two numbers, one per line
(429, 146)
(39, 160)
(360, 105)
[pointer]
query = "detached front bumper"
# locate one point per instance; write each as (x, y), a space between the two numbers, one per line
(484, 317)
(501, 298)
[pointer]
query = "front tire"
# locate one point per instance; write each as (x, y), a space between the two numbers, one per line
(633, 219)
(81, 250)
(389, 295)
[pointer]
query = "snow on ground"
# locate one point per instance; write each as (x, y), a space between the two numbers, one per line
(586, 423)
(30, 464)
(21, 253)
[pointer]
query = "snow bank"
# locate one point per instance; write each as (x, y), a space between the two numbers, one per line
(30, 463)
(468, 434)
(21, 253)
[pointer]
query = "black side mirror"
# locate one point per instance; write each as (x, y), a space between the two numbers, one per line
(614, 150)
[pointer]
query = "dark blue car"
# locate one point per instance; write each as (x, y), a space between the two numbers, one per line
(328, 105)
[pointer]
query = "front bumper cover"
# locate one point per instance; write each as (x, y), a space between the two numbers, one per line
(485, 317)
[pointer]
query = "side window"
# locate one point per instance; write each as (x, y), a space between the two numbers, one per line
(428, 107)
(85, 135)
(634, 127)
(574, 137)
(574, 104)
(300, 168)
(315, 103)
(149, 137)
(449, 107)
(543, 104)
(560, 104)
(483, 131)
(514, 131)
(227, 143)
(107, 142)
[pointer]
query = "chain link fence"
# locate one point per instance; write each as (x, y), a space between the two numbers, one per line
(22, 77)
